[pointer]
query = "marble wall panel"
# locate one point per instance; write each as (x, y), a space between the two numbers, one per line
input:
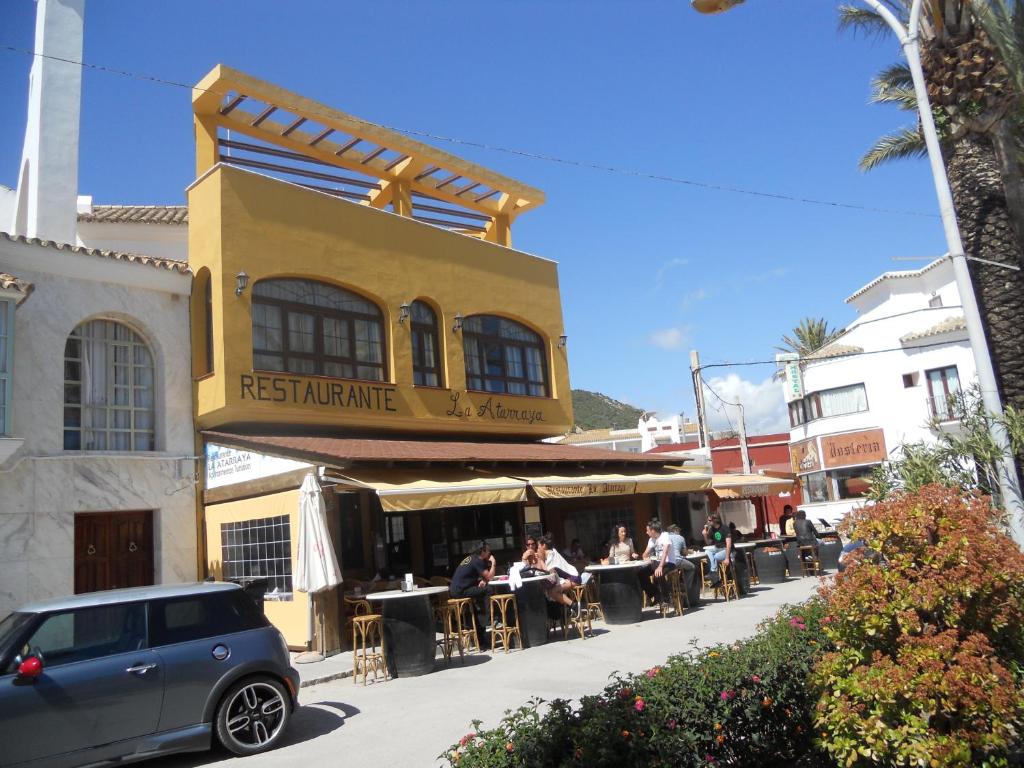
(50, 577)
(13, 585)
(15, 534)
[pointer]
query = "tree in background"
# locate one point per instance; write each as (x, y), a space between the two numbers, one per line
(973, 58)
(810, 335)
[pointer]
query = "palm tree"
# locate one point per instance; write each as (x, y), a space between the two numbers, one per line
(810, 335)
(972, 53)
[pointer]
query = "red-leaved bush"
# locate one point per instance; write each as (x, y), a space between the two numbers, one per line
(928, 660)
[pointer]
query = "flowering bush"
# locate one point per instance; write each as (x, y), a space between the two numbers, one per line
(746, 704)
(928, 639)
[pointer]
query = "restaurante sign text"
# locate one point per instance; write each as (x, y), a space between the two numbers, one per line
(332, 394)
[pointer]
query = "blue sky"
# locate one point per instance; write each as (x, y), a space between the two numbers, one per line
(769, 97)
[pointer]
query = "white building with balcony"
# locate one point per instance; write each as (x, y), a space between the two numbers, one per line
(878, 386)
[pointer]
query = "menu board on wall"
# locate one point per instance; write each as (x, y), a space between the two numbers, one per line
(866, 447)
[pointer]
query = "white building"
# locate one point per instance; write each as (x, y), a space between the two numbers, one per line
(649, 433)
(97, 467)
(877, 386)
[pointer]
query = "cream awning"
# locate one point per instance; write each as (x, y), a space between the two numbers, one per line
(413, 490)
(748, 486)
(578, 485)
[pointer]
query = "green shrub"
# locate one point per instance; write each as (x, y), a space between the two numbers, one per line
(746, 704)
(927, 635)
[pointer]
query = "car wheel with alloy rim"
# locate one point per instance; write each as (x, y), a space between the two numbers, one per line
(252, 715)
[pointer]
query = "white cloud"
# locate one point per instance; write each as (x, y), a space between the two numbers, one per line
(693, 297)
(664, 269)
(668, 338)
(763, 405)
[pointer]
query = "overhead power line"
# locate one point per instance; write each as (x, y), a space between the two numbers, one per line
(646, 175)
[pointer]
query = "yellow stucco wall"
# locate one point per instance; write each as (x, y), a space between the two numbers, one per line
(289, 616)
(241, 221)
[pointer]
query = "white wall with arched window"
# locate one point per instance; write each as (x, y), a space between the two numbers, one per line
(109, 389)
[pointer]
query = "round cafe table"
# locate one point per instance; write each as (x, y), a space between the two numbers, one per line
(621, 596)
(532, 606)
(409, 635)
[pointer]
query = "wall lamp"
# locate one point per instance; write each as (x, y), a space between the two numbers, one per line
(241, 281)
(562, 341)
(403, 312)
(457, 325)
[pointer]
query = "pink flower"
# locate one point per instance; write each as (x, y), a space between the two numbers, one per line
(653, 671)
(465, 739)
(709, 758)
(671, 725)
(755, 678)
(639, 705)
(727, 695)
(797, 622)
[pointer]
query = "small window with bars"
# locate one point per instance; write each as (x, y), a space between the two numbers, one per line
(259, 549)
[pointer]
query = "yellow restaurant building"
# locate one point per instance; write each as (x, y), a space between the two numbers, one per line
(358, 311)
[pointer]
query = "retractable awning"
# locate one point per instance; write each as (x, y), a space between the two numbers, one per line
(412, 490)
(577, 485)
(748, 486)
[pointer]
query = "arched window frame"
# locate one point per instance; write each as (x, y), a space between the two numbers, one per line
(504, 356)
(326, 357)
(426, 346)
(110, 406)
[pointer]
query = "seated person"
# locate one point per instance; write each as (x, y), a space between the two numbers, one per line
(663, 559)
(470, 580)
(530, 557)
(787, 515)
(576, 551)
(718, 541)
(565, 574)
(806, 533)
(679, 543)
(621, 550)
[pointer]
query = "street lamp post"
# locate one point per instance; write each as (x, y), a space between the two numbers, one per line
(908, 37)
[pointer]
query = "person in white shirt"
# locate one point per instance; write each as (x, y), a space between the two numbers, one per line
(663, 559)
(566, 576)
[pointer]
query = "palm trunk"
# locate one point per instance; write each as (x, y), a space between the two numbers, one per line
(988, 232)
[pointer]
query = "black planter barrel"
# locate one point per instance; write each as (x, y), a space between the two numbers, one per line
(793, 560)
(771, 566)
(409, 633)
(740, 571)
(828, 554)
(620, 591)
(693, 590)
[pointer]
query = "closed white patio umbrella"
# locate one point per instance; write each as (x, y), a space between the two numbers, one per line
(316, 567)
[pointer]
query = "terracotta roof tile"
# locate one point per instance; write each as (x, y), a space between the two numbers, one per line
(949, 325)
(347, 451)
(10, 283)
(136, 214)
(170, 264)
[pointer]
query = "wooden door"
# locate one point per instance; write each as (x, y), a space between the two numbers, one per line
(113, 550)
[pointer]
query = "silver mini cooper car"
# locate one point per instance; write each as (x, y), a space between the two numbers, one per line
(128, 674)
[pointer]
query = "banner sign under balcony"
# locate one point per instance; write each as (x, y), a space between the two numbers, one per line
(227, 466)
(794, 379)
(866, 447)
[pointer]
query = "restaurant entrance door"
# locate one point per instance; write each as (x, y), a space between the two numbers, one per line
(396, 540)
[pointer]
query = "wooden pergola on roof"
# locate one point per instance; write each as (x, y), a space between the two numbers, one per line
(246, 122)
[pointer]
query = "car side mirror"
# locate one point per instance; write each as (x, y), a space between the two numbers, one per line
(30, 668)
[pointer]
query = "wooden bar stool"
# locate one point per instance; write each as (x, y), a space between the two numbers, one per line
(465, 623)
(368, 651)
(705, 581)
(355, 606)
(504, 621)
(446, 613)
(581, 621)
(809, 563)
(727, 584)
(752, 568)
(593, 593)
(677, 594)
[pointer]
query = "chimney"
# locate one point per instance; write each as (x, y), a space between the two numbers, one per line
(47, 201)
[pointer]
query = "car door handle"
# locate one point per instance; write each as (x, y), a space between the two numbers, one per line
(140, 669)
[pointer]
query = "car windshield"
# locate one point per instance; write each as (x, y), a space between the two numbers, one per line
(10, 626)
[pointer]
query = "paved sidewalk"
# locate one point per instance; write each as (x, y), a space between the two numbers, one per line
(410, 721)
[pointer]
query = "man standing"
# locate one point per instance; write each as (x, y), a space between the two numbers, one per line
(470, 580)
(663, 559)
(719, 546)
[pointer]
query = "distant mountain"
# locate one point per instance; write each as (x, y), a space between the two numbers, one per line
(596, 411)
